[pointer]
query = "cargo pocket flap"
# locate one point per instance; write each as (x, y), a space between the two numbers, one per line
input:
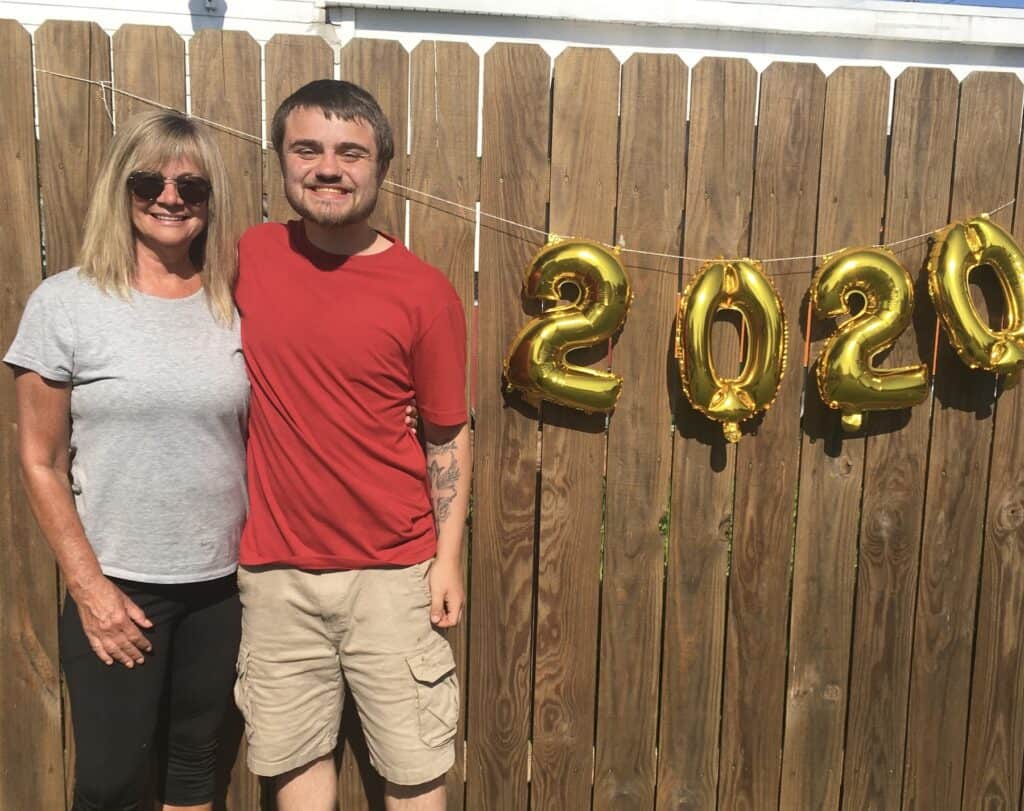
(432, 666)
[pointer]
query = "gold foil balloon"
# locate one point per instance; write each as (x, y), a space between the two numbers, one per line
(731, 285)
(957, 250)
(847, 379)
(536, 362)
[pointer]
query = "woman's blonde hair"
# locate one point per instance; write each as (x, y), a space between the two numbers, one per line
(149, 142)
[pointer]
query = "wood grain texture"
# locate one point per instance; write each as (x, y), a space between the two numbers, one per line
(514, 180)
(74, 130)
(985, 165)
(895, 467)
(444, 80)
(995, 739)
(225, 86)
(720, 166)
(291, 60)
(382, 68)
(652, 174)
(31, 750)
(583, 191)
(225, 74)
(789, 143)
(74, 133)
(851, 201)
(149, 61)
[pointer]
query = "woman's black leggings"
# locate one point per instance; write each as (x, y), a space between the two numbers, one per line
(175, 701)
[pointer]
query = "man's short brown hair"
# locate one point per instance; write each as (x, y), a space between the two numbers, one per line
(338, 99)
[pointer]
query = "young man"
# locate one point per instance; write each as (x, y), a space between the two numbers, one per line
(351, 554)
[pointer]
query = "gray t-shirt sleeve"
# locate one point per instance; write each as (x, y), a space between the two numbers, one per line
(45, 342)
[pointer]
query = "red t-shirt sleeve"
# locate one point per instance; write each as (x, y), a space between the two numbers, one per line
(439, 367)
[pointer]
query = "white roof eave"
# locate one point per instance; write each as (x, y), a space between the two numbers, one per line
(867, 19)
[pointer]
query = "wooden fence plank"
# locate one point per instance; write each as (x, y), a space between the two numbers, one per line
(74, 130)
(583, 162)
(513, 185)
(74, 133)
(789, 137)
(789, 144)
(921, 164)
(382, 67)
(292, 60)
(225, 71)
(149, 61)
(225, 83)
(985, 166)
(718, 198)
(442, 162)
(851, 201)
(31, 750)
(995, 741)
(652, 172)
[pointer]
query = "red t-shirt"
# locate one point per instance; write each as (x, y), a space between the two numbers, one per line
(336, 348)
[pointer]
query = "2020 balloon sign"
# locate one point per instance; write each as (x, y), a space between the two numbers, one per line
(848, 379)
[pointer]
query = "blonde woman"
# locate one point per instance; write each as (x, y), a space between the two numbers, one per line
(132, 405)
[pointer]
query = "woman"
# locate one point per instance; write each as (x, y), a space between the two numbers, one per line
(132, 400)
(132, 404)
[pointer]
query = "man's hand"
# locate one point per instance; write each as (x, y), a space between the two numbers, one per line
(111, 623)
(447, 592)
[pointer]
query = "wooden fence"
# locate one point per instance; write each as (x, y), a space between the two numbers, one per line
(657, 620)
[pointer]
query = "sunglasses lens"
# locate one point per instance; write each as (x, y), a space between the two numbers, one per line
(147, 185)
(150, 185)
(193, 190)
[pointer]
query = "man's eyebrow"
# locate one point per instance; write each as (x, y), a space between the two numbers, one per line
(345, 146)
(311, 143)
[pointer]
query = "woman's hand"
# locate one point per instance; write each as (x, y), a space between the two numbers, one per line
(412, 416)
(112, 622)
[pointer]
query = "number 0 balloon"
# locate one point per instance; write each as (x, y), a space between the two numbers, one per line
(731, 285)
(958, 250)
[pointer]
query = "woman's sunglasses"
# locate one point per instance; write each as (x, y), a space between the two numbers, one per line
(150, 185)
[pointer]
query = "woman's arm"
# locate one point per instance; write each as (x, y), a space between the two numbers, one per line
(111, 620)
(449, 471)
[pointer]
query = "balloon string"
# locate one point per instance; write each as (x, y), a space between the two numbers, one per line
(935, 350)
(109, 86)
(807, 336)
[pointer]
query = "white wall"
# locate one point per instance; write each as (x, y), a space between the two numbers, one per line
(261, 18)
(828, 32)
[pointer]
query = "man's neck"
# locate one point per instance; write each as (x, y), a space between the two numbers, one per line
(356, 239)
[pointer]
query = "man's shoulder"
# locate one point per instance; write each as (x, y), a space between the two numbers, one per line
(421, 273)
(264, 233)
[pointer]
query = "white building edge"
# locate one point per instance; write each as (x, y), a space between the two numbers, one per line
(830, 33)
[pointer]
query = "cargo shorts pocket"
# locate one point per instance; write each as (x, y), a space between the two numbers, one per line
(437, 694)
(242, 689)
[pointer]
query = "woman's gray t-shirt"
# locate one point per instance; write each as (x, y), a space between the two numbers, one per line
(159, 402)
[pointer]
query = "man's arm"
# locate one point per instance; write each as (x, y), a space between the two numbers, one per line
(449, 470)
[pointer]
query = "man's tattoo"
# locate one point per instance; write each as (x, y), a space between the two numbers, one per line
(444, 478)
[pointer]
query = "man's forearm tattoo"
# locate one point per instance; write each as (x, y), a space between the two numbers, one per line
(443, 470)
